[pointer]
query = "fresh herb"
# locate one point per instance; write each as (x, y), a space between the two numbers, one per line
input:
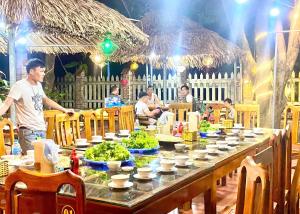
(140, 140)
(107, 151)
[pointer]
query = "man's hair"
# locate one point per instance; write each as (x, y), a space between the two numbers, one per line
(150, 86)
(228, 100)
(113, 88)
(142, 94)
(185, 86)
(34, 63)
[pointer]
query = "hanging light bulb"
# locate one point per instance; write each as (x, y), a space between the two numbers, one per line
(207, 61)
(98, 58)
(134, 66)
(180, 68)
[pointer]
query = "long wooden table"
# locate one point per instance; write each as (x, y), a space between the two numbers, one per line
(167, 191)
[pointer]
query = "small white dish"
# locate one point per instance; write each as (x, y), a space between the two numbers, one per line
(179, 147)
(97, 138)
(167, 164)
(114, 165)
(173, 169)
(110, 135)
(212, 148)
(124, 132)
(249, 135)
(188, 163)
(127, 168)
(200, 153)
(206, 157)
(124, 186)
(138, 176)
(144, 171)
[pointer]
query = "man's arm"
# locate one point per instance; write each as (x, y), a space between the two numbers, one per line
(5, 106)
(52, 104)
(151, 113)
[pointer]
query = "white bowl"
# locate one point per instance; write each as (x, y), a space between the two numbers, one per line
(114, 165)
(127, 168)
(81, 141)
(110, 135)
(181, 160)
(235, 131)
(124, 132)
(167, 164)
(8, 157)
(179, 146)
(144, 172)
(231, 139)
(97, 138)
(222, 144)
(212, 148)
(257, 130)
(200, 153)
(120, 179)
(238, 125)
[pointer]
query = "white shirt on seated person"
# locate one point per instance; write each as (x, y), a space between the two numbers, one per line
(141, 107)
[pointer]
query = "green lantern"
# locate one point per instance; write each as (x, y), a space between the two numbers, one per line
(107, 46)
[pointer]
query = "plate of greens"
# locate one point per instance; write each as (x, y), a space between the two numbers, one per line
(141, 142)
(97, 156)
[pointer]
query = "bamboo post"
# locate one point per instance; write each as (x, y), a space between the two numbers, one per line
(12, 66)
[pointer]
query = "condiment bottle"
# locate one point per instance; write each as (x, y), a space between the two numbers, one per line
(74, 162)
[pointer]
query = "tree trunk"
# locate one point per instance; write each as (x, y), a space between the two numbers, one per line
(50, 76)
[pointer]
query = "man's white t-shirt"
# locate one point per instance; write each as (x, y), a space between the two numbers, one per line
(29, 104)
(140, 108)
(189, 98)
(153, 99)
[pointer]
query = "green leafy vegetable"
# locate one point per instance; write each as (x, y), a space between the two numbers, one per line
(140, 140)
(107, 151)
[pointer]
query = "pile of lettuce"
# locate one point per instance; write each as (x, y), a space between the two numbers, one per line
(107, 151)
(140, 140)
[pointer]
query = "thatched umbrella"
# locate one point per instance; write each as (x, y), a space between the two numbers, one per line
(66, 26)
(191, 44)
(177, 41)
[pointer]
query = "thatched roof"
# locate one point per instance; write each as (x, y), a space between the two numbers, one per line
(171, 36)
(71, 22)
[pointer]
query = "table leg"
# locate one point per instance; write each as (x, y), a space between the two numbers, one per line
(185, 207)
(210, 199)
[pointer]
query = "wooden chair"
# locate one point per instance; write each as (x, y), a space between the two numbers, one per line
(91, 125)
(217, 110)
(254, 185)
(40, 196)
(278, 171)
(3, 123)
(293, 197)
(180, 110)
(99, 120)
(49, 116)
(67, 129)
(295, 113)
(247, 114)
(126, 118)
(112, 113)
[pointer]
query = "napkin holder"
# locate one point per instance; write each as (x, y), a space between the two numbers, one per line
(41, 162)
(168, 126)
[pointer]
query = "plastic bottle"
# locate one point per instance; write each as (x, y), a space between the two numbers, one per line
(136, 125)
(74, 162)
(16, 148)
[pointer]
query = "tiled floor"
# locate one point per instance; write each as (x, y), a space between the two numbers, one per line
(226, 196)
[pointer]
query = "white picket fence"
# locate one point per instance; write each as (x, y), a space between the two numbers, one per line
(209, 88)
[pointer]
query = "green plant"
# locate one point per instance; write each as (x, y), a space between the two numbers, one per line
(54, 94)
(4, 89)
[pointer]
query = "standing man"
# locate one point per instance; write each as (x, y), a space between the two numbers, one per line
(185, 92)
(29, 97)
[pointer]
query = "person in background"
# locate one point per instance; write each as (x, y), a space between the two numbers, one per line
(29, 97)
(141, 107)
(185, 92)
(153, 99)
(114, 100)
(229, 106)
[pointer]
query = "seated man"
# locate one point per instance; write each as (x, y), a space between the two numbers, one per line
(141, 108)
(229, 106)
(185, 92)
(114, 100)
(153, 99)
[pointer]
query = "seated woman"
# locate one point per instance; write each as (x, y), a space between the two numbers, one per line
(141, 108)
(114, 100)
